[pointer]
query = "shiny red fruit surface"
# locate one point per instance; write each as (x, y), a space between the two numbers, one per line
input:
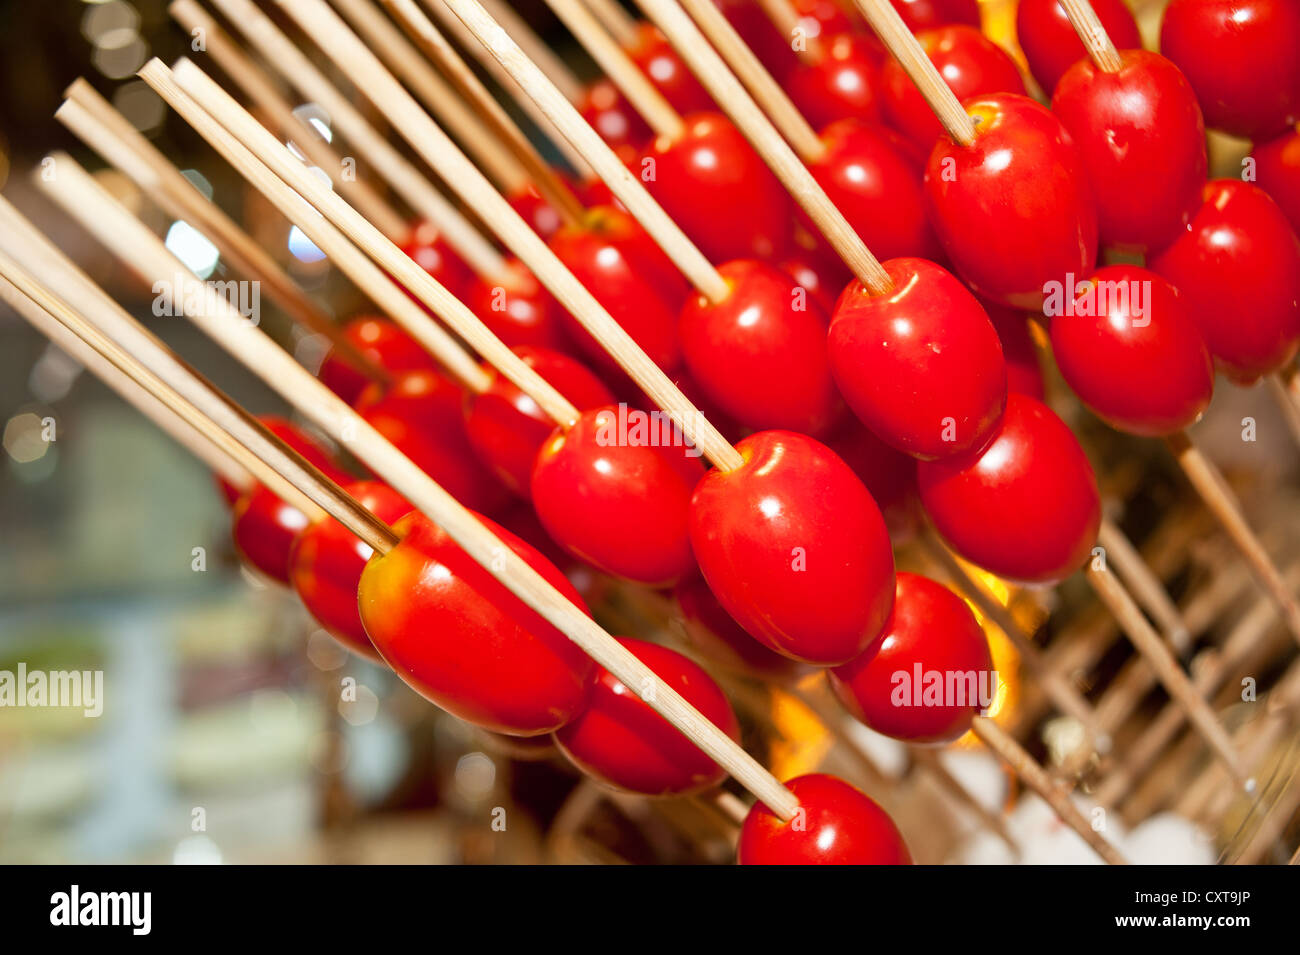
(1241, 58)
(425, 245)
(1277, 172)
(928, 675)
(326, 561)
(718, 190)
(620, 741)
(760, 354)
(819, 276)
(824, 19)
(869, 176)
(969, 62)
(613, 497)
(628, 274)
(838, 825)
(1014, 210)
(421, 414)
(715, 636)
(845, 84)
(264, 528)
(793, 546)
(659, 61)
(922, 365)
(301, 442)
(459, 638)
(517, 309)
(927, 14)
(536, 211)
(889, 474)
(1237, 267)
(1132, 353)
(1143, 142)
(611, 115)
(1050, 44)
(1026, 507)
(382, 341)
(506, 427)
(1024, 368)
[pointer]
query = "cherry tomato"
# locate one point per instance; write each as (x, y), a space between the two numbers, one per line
(845, 84)
(889, 474)
(611, 115)
(381, 340)
(771, 46)
(620, 741)
(838, 825)
(425, 245)
(793, 546)
(824, 19)
(1014, 210)
(264, 528)
(921, 366)
(822, 277)
(1050, 44)
(1026, 506)
(929, 673)
(1237, 266)
(536, 211)
(420, 413)
(760, 354)
(651, 51)
(1132, 353)
(615, 498)
(868, 175)
(1143, 142)
(1277, 172)
(459, 638)
(517, 309)
(506, 427)
(326, 561)
(721, 641)
(926, 14)
(301, 442)
(969, 62)
(718, 190)
(628, 274)
(1240, 57)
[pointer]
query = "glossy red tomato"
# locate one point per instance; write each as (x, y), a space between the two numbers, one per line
(301, 442)
(611, 115)
(628, 274)
(264, 528)
(381, 340)
(1014, 210)
(838, 825)
(459, 638)
(1132, 353)
(1277, 172)
(517, 309)
(718, 190)
(1143, 142)
(822, 276)
(420, 413)
(1026, 506)
(326, 561)
(771, 46)
(845, 84)
(926, 14)
(720, 640)
(824, 19)
(1238, 268)
(921, 366)
(1240, 57)
(928, 675)
(969, 62)
(659, 61)
(869, 176)
(889, 474)
(761, 353)
(536, 211)
(1050, 44)
(620, 741)
(610, 493)
(425, 245)
(1024, 369)
(793, 546)
(506, 427)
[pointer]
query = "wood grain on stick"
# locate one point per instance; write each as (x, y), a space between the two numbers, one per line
(1092, 35)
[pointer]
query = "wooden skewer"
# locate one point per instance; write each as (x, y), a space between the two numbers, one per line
(556, 70)
(405, 179)
(614, 61)
(437, 48)
(1222, 502)
(100, 126)
(467, 43)
(1172, 677)
(1093, 35)
(1143, 583)
(998, 740)
(1278, 387)
(773, 100)
(262, 90)
(614, 17)
(898, 39)
(449, 105)
(713, 74)
(351, 55)
(147, 256)
(786, 19)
